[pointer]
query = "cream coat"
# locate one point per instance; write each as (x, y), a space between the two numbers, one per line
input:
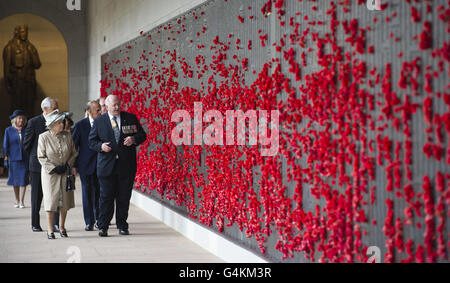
(55, 150)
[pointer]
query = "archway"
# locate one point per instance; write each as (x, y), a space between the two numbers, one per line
(52, 78)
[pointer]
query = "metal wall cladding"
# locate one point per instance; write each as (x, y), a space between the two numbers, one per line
(151, 74)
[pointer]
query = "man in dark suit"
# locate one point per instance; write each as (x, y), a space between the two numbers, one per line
(35, 127)
(115, 136)
(86, 165)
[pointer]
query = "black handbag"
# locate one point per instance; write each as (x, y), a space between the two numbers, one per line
(70, 181)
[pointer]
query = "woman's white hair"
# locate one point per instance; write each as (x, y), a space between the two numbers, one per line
(47, 103)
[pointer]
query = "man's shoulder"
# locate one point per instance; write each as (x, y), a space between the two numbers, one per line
(35, 119)
(128, 115)
(101, 119)
(31, 125)
(81, 123)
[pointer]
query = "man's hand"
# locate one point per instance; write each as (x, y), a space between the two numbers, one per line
(106, 148)
(74, 171)
(129, 141)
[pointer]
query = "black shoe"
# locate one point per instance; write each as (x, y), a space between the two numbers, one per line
(36, 229)
(51, 236)
(63, 234)
(96, 226)
(89, 228)
(56, 227)
(124, 232)
(103, 233)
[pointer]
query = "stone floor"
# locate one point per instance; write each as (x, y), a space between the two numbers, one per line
(150, 241)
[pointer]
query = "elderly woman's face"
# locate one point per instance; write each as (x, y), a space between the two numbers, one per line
(20, 121)
(58, 127)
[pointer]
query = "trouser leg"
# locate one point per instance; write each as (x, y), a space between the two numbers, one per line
(108, 190)
(95, 196)
(36, 198)
(90, 192)
(87, 208)
(123, 201)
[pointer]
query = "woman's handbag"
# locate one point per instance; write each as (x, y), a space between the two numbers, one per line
(70, 181)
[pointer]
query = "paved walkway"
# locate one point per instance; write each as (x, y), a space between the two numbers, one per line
(150, 240)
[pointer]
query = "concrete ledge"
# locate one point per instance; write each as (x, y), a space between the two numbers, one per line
(209, 240)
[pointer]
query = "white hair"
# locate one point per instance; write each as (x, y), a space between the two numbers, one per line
(47, 103)
(109, 98)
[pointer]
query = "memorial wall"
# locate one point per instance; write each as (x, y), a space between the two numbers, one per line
(357, 95)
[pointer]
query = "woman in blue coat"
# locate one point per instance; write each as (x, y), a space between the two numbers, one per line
(16, 159)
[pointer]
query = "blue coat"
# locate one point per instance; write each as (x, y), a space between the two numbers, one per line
(13, 145)
(102, 132)
(86, 162)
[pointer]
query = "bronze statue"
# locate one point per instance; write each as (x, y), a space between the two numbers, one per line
(21, 59)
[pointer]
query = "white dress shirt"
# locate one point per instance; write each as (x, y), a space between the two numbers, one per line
(91, 121)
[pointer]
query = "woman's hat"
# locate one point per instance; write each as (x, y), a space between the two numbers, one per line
(54, 117)
(17, 113)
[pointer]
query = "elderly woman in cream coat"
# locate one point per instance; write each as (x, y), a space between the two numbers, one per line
(56, 153)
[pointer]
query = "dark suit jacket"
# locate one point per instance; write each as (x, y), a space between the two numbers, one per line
(86, 162)
(35, 127)
(102, 132)
(13, 145)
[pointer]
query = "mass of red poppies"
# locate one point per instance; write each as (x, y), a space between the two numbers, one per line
(347, 124)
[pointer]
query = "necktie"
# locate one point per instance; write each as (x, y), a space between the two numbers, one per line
(116, 130)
